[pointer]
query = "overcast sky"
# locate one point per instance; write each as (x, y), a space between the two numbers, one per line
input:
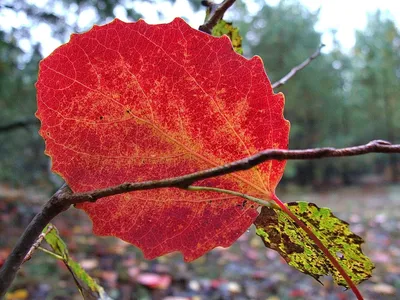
(348, 15)
(343, 15)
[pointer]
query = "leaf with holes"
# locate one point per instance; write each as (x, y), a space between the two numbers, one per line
(130, 102)
(231, 31)
(281, 234)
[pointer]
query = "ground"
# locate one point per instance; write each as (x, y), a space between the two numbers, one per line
(247, 270)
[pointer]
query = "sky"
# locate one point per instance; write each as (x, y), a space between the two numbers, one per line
(345, 16)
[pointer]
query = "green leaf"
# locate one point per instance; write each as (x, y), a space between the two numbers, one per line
(86, 284)
(279, 232)
(55, 242)
(231, 31)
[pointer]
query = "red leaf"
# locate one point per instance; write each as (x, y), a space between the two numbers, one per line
(129, 102)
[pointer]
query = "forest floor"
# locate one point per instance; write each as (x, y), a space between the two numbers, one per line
(246, 270)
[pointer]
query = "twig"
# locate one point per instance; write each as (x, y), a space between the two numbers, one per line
(56, 205)
(377, 146)
(19, 124)
(216, 14)
(298, 68)
(64, 197)
(37, 243)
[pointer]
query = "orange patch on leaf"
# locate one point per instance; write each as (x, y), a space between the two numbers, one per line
(129, 102)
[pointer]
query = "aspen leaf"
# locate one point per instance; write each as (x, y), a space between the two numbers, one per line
(281, 234)
(130, 102)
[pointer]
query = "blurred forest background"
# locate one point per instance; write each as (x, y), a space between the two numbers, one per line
(345, 97)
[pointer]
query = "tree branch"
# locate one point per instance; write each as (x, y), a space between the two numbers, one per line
(22, 123)
(298, 68)
(217, 12)
(56, 205)
(64, 197)
(377, 146)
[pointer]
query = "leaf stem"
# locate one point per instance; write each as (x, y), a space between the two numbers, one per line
(259, 201)
(51, 253)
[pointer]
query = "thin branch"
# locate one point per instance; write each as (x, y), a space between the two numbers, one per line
(298, 68)
(377, 146)
(216, 14)
(22, 123)
(37, 243)
(64, 197)
(56, 205)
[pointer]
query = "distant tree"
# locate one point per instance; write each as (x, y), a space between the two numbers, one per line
(284, 35)
(21, 150)
(376, 88)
